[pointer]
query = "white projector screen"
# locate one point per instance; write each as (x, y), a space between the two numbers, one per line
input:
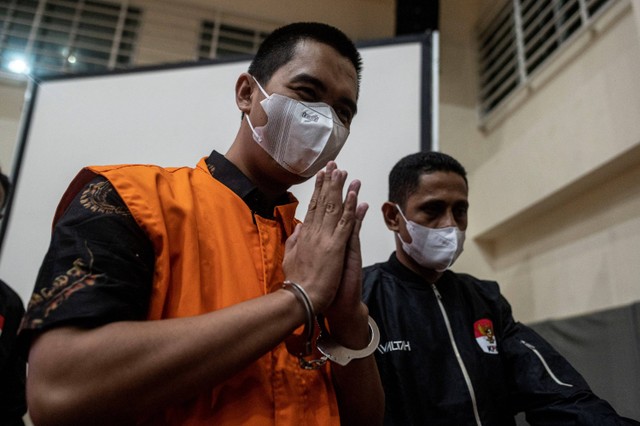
(173, 116)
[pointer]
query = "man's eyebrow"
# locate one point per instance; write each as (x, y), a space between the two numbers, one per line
(309, 79)
(431, 203)
(438, 202)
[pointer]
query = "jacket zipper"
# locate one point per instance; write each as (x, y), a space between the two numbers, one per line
(545, 365)
(467, 379)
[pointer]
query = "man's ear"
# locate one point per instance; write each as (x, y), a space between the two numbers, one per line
(391, 216)
(244, 92)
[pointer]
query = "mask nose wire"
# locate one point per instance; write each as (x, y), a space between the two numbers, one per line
(333, 117)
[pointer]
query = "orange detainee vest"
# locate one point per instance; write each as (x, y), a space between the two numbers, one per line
(211, 253)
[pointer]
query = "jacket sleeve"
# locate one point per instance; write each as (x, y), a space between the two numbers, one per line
(12, 365)
(544, 385)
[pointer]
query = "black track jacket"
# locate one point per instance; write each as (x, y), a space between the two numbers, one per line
(452, 354)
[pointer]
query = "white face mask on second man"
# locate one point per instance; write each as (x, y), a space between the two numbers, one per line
(433, 248)
(301, 137)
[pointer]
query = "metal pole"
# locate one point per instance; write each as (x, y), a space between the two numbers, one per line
(517, 21)
(115, 46)
(435, 88)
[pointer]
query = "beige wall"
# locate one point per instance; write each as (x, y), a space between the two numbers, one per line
(555, 192)
(360, 19)
(11, 103)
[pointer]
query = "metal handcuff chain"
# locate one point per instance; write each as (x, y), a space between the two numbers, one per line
(301, 345)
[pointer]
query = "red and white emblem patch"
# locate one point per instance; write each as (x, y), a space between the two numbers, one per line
(1, 324)
(485, 336)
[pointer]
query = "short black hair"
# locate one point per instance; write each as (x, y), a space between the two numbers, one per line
(405, 175)
(279, 48)
(6, 185)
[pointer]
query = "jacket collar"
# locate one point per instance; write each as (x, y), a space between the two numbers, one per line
(395, 267)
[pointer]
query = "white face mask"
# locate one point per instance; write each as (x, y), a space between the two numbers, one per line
(433, 248)
(301, 137)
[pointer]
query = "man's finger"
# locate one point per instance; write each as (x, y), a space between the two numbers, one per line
(354, 186)
(333, 204)
(293, 238)
(347, 219)
(321, 192)
(361, 211)
(313, 203)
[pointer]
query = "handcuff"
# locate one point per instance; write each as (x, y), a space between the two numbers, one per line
(301, 345)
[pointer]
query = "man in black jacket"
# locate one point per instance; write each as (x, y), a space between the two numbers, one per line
(450, 351)
(12, 365)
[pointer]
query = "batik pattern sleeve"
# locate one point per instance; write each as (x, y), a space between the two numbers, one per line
(99, 266)
(545, 385)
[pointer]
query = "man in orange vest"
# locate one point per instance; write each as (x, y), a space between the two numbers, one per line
(189, 296)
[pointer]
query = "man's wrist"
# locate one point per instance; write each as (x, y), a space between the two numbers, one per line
(351, 329)
(302, 345)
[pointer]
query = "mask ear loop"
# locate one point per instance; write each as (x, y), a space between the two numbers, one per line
(406, 222)
(401, 214)
(260, 87)
(253, 130)
(255, 134)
